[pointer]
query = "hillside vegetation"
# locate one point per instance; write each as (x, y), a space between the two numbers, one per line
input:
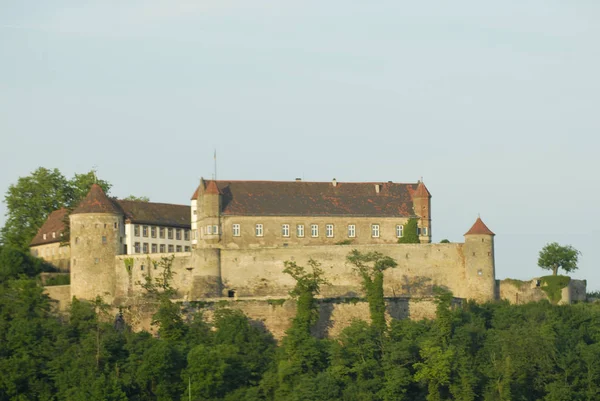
(493, 351)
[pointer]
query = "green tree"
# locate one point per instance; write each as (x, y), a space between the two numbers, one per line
(137, 198)
(370, 267)
(410, 233)
(554, 256)
(33, 198)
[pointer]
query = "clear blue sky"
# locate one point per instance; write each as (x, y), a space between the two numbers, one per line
(495, 104)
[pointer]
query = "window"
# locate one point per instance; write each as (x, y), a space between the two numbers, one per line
(96, 260)
(314, 230)
(142, 267)
(169, 233)
(209, 229)
(153, 232)
(104, 239)
(136, 230)
(424, 231)
(144, 231)
(154, 248)
(329, 230)
(351, 231)
(187, 249)
(161, 232)
(162, 248)
(375, 230)
(145, 247)
(116, 225)
(53, 235)
(44, 236)
(300, 230)
(285, 230)
(259, 230)
(136, 247)
(215, 229)
(236, 230)
(399, 231)
(178, 234)
(186, 235)
(178, 248)
(171, 248)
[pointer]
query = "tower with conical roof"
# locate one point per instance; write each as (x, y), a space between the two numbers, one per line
(97, 233)
(422, 208)
(480, 268)
(209, 218)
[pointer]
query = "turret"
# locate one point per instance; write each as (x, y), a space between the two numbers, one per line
(480, 267)
(422, 208)
(96, 238)
(209, 221)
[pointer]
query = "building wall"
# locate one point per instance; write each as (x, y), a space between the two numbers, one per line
(273, 234)
(131, 238)
(96, 238)
(55, 254)
(258, 272)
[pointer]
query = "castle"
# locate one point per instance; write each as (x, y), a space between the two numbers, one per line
(233, 239)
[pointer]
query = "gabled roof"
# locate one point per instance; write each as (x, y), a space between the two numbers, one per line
(53, 224)
(301, 198)
(160, 214)
(96, 201)
(479, 228)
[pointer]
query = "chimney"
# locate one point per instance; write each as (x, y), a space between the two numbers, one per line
(377, 188)
(334, 182)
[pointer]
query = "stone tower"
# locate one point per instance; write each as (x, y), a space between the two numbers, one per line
(96, 238)
(479, 262)
(209, 221)
(422, 208)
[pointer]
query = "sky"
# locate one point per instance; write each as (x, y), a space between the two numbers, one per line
(496, 105)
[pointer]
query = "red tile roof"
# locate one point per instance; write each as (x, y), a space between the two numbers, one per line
(211, 188)
(96, 201)
(301, 198)
(422, 191)
(159, 214)
(479, 228)
(53, 224)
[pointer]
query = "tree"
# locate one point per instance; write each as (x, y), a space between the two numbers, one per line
(370, 267)
(137, 198)
(554, 256)
(410, 233)
(33, 198)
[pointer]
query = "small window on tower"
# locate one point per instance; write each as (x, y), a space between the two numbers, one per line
(104, 239)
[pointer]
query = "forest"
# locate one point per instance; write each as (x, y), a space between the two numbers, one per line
(493, 351)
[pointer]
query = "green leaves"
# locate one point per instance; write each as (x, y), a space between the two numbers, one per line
(33, 198)
(554, 256)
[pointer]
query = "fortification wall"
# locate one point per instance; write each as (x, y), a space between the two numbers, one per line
(61, 294)
(258, 272)
(521, 292)
(276, 315)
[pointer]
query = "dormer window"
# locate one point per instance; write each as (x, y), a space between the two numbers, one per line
(53, 235)
(44, 236)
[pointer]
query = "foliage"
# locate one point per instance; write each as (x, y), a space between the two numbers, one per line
(344, 242)
(15, 262)
(370, 267)
(445, 241)
(553, 285)
(554, 256)
(137, 198)
(62, 279)
(276, 302)
(33, 198)
(410, 233)
(514, 282)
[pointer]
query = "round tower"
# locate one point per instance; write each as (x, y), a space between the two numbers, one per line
(96, 238)
(422, 206)
(480, 267)
(210, 219)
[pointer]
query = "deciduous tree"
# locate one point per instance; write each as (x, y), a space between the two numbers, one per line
(554, 256)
